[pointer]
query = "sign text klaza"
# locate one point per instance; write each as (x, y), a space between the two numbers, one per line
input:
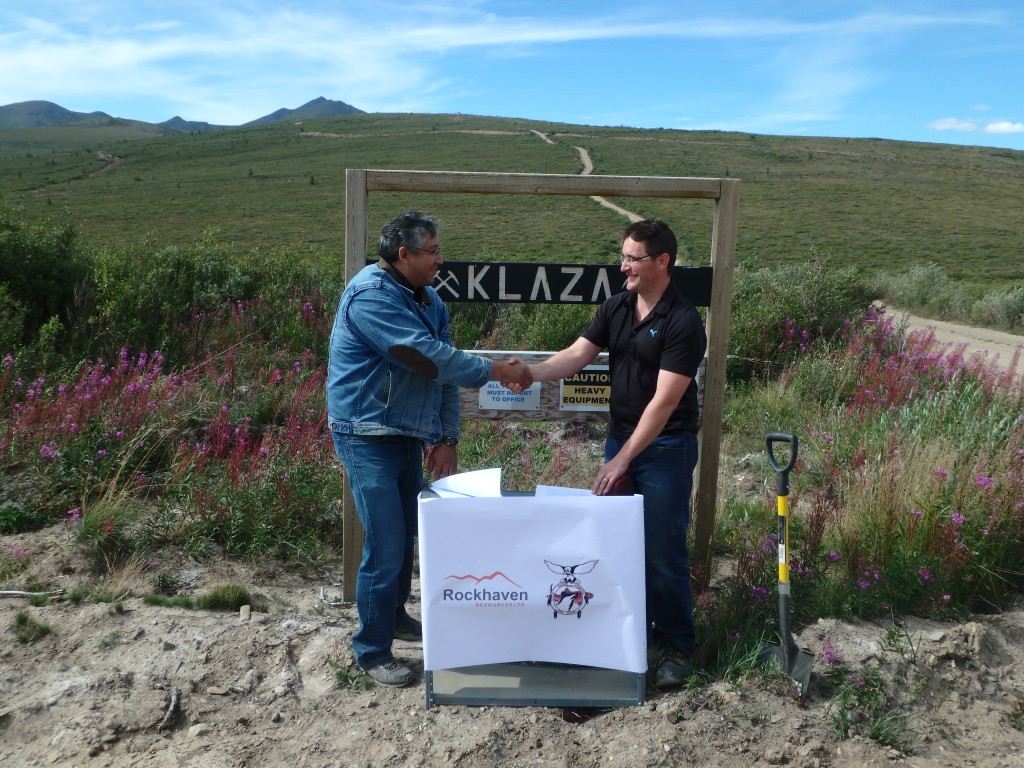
(485, 281)
(533, 283)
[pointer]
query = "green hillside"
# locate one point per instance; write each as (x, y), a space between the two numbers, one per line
(866, 202)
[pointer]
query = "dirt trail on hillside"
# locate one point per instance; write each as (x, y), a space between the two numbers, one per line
(113, 161)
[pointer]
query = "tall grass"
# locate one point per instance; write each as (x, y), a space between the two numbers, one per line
(908, 496)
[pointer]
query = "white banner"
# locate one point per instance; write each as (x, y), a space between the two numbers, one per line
(552, 579)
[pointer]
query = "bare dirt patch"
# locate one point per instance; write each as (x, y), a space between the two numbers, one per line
(113, 161)
(98, 689)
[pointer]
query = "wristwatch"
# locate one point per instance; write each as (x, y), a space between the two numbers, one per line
(448, 440)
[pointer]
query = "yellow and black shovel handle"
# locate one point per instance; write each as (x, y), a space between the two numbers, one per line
(782, 490)
(796, 662)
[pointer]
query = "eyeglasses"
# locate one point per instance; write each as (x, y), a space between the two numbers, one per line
(632, 259)
(434, 252)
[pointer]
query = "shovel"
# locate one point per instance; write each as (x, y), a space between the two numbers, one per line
(794, 662)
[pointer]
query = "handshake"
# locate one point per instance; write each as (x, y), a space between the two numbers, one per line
(513, 374)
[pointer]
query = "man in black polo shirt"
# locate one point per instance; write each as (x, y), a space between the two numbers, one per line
(655, 341)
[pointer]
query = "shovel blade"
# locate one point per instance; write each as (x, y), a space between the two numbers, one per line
(796, 664)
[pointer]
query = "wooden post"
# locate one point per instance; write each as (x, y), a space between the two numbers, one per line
(356, 201)
(705, 499)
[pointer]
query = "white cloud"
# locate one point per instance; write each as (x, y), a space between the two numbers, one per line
(981, 107)
(952, 124)
(996, 127)
(1004, 127)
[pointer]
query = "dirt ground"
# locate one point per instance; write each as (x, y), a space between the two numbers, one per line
(263, 690)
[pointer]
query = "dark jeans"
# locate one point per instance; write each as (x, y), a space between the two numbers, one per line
(663, 473)
(386, 475)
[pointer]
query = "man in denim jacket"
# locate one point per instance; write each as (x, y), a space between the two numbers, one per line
(393, 387)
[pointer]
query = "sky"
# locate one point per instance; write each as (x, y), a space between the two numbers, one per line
(941, 71)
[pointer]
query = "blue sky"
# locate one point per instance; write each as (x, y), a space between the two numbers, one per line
(915, 70)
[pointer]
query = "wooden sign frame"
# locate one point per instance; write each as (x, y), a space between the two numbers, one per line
(359, 183)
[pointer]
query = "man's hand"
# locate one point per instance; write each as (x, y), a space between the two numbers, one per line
(513, 374)
(442, 460)
(607, 482)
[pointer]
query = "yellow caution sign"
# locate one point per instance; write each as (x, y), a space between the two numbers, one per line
(588, 390)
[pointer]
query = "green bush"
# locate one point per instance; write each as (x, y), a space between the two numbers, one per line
(1002, 309)
(27, 629)
(44, 274)
(779, 314)
(180, 298)
(227, 597)
(12, 321)
(926, 290)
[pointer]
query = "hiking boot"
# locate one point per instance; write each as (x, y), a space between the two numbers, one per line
(672, 671)
(392, 672)
(408, 628)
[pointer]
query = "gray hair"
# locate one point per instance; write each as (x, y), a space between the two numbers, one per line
(411, 229)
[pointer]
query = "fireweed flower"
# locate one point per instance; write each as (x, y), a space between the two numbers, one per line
(914, 512)
(941, 472)
(984, 482)
(925, 574)
(957, 518)
(830, 654)
(760, 593)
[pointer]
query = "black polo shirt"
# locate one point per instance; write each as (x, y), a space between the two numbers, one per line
(670, 338)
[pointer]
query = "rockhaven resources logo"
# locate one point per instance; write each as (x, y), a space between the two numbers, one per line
(495, 594)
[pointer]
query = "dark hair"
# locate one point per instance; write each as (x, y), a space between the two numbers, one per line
(656, 237)
(411, 229)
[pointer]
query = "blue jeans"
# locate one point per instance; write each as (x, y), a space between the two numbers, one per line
(663, 473)
(386, 475)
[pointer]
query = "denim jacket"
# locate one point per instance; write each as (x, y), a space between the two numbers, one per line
(392, 368)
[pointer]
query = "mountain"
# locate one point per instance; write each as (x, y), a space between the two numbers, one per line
(46, 114)
(180, 125)
(40, 114)
(320, 107)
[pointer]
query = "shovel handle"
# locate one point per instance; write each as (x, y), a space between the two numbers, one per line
(781, 472)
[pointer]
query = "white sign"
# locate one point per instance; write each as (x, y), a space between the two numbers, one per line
(493, 396)
(553, 579)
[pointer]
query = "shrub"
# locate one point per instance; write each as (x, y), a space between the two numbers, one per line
(1002, 309)
(45, 273)
(179, 298)
(227, 597)
(27, 629)
(926, 290)
(780, 314)
(109, 531)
